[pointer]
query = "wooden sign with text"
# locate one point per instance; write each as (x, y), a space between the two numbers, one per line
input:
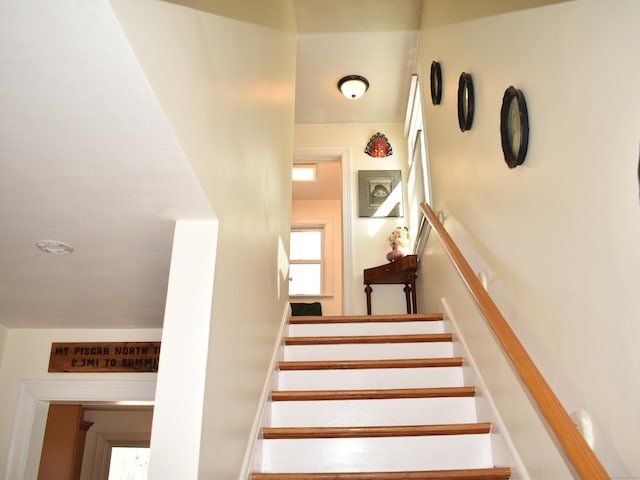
(104, 357)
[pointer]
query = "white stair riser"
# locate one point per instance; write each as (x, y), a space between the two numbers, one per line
(378, 351)
(377, 454)
(390, 328)
(405, 411)
(370, 378)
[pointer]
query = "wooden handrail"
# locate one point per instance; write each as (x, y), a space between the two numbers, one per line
(575, 448)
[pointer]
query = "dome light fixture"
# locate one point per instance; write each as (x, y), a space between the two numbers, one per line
(54, 247)
(353, 86)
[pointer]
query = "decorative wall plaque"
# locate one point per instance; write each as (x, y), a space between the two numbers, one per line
(104, 357)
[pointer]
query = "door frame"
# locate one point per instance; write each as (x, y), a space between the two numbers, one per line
(35, 393)
(341, 154)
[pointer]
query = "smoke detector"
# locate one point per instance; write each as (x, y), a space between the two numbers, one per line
(54, 247)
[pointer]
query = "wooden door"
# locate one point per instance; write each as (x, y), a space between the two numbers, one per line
(63, 444)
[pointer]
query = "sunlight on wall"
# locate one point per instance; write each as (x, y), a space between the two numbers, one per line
(283, 268)
(394, 198)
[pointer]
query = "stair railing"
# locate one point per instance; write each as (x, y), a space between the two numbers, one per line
(575, 448)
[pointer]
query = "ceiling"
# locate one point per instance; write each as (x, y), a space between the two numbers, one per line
(84, 163)
(373, 38)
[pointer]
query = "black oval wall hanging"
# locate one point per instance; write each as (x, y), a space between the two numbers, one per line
(514, 127)
(436, 83)
(465, 101)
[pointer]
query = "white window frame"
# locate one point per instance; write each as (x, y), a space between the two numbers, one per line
(105, 441)
(121, 443)
(325, 287)
(418, 181)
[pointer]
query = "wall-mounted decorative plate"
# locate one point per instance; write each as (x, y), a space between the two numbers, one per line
(465, 102)
(436, 83)
(378, 146)
(514, 127)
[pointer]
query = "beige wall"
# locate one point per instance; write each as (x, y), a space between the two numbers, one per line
(558, 237)
(328, 213)
(226, 85)
(4, 336)
(369, 234)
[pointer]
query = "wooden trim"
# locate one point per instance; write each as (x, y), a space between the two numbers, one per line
(419, 317)
(345, 339)
(470, 474)
(279, 433)
(575, 448)
(308, 395)
(363, 364)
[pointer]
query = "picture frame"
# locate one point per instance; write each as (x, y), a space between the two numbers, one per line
(436, 83)
(466, 102)
(514, 127)
(380, 193)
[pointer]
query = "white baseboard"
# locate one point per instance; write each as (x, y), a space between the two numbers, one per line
(252, 453)
(504, 450)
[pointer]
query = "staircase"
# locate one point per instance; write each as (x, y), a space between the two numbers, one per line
(376, 398)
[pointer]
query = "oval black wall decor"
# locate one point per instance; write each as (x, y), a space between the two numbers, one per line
(465, 101)
(436, 83)
(514, 127)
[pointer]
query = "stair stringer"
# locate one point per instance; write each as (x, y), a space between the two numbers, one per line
(504, 451)
(262, 419)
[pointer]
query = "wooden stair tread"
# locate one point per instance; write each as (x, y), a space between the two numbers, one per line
(365, 364)
(469, 474)
(418, 317)
(372, 394)
(273, 433)
(368, 339)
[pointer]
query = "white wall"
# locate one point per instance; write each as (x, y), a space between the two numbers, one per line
(559, 235)
(224, 74)
(328, 213)
(185, 347)
(369, 234)
(27, 353)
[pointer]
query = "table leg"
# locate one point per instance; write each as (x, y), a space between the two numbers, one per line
(368, 291)
(414, 299)
(407, 294)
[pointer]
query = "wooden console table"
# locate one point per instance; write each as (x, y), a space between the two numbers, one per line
(400, 272)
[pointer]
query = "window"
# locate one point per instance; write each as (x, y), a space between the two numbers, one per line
(129, 463)
(418, 177)
(303, 173)
(306, 261)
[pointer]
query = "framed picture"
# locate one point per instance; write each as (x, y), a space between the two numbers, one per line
(380, 193)
(466, 102)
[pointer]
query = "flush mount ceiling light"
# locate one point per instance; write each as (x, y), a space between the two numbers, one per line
(54, 247)
(353, 86)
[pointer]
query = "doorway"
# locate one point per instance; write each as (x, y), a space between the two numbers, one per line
(33, 404)
(95, 441)
(326, 204)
